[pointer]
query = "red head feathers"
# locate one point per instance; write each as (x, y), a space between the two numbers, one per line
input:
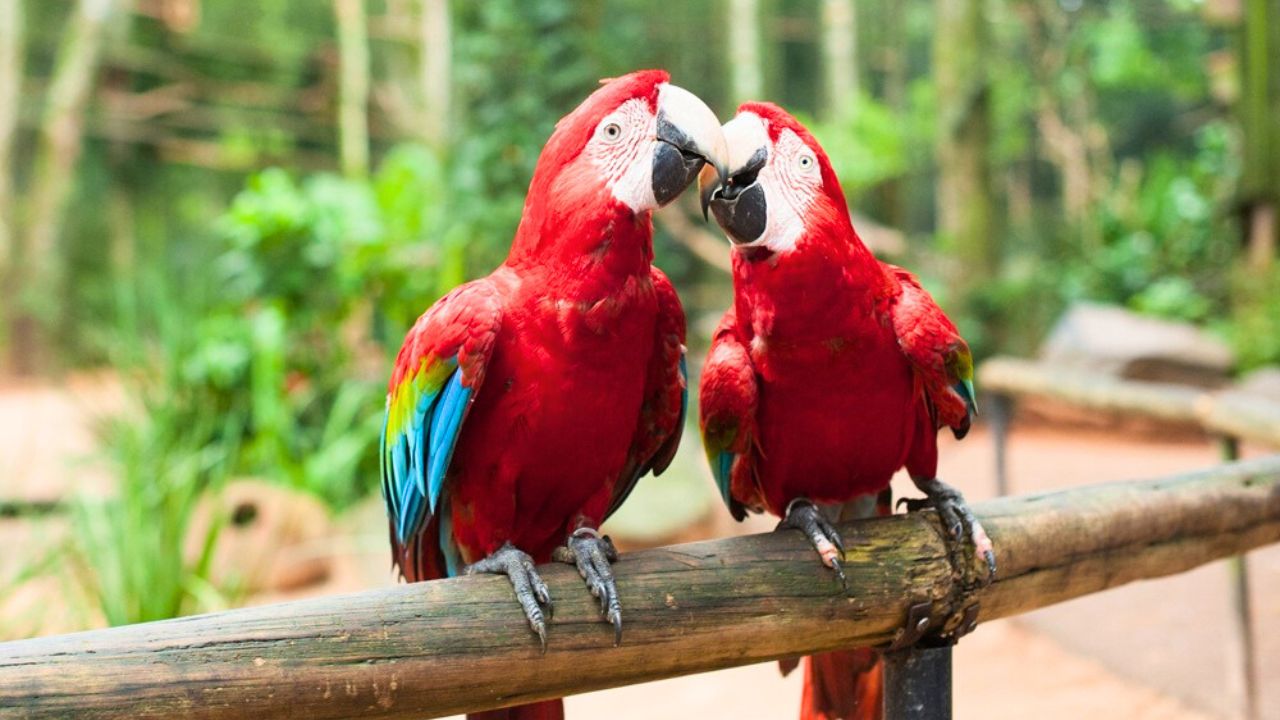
(780, 185)
(629, 148)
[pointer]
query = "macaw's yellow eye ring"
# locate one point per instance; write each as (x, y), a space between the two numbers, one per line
(612, 132)
(805, 162)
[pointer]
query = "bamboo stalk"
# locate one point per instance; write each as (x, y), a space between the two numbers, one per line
(746, 72)
(965, 203)
(436, 71)
(450, 646)
(839, 56)
(353, 88)
(53, 175)
(11, 65)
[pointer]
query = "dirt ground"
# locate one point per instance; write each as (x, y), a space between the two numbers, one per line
(1158, 649)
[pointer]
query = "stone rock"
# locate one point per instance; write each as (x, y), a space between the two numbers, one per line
(272, 538)
(1120, 343)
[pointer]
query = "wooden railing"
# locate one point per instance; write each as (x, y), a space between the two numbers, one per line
(460, 645)
(1229, 416)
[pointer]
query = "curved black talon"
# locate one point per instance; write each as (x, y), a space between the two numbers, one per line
(592, 552)
(804, 516)
(530, 591)
(956, 517)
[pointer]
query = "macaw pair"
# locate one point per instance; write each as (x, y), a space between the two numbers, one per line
(524, 406)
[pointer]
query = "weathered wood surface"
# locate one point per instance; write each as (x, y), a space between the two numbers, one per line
(444, 647)
(1228, 413)
(1090, 390)
(1242, 415)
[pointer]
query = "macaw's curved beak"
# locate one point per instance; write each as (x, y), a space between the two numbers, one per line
(689, 138)
(737, 199)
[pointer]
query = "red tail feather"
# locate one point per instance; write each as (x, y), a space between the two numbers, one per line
(546, 710)
(843, 685)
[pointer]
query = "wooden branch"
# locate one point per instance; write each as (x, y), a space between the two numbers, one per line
(1091, 390)
(711, 248)
(451, 646)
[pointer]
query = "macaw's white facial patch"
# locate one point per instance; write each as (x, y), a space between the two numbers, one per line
(793, 181)
(791, 178)
(622, 150)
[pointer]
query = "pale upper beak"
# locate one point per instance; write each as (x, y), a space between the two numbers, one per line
(736, 197)
(689, 137)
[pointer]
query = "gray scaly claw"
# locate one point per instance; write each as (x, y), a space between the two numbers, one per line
(804, 516)
(531, 592)
(591, 553)
(956, 517)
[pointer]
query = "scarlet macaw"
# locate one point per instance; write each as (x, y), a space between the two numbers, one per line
(831, 371)
(525, 405)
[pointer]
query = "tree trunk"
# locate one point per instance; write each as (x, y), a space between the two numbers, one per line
(436, 71)
(1258, 108)
(53, 178)
(746, 76)
(353, 86)
(840, 56)
(964, 174)
(894, 48)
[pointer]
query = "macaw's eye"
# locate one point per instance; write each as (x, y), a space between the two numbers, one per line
(612, 132)
(805, 162)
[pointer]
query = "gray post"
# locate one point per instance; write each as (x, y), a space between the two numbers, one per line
(917, 683)
(1000, 407)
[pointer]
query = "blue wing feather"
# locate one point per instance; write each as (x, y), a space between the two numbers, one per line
(722, 468)
(415, 459)
(446, 421)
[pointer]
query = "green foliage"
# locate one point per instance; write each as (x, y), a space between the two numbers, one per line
(869, 143)
(312, 275)
(1254, 326)
(134, 550)
(1164, 243)
(281, 337)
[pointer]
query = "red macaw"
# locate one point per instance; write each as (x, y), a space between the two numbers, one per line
(831, 371)
(525, 405)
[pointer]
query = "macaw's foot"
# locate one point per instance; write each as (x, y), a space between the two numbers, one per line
(531, 592)
(956, 516)
(804, 516)
(592, 552)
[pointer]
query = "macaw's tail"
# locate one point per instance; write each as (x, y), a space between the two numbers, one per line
(545, 710)
(843, 685)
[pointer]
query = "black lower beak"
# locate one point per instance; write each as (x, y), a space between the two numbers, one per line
(741, 211)
(674, 168)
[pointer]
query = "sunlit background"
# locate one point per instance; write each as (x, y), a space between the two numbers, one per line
(217, 220)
